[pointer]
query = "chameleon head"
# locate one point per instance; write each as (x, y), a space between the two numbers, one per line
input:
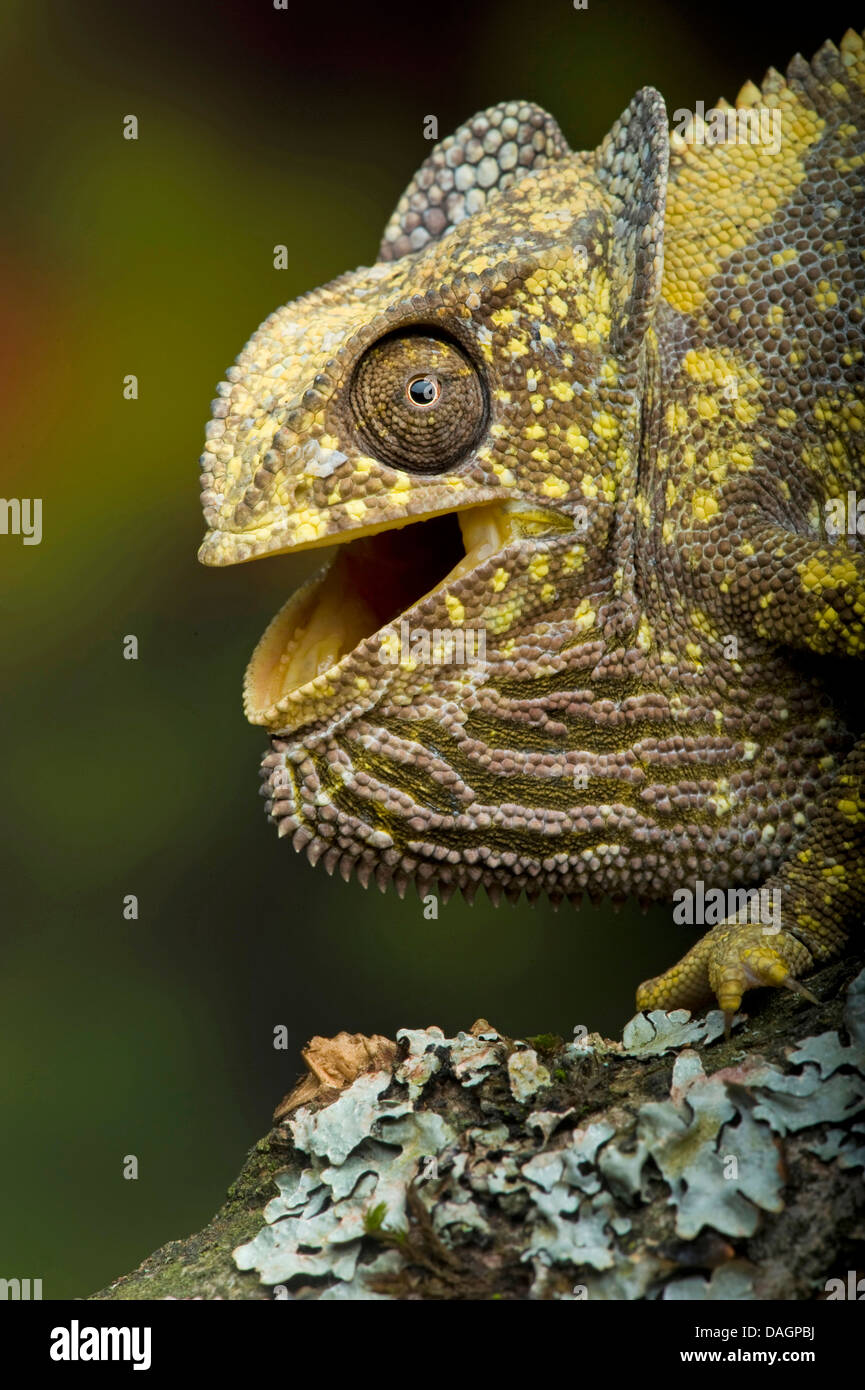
(462, 420)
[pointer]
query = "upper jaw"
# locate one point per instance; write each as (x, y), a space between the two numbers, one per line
(320, 524)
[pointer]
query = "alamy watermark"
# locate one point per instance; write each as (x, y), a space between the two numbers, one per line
(22, 516)
(20, 1289)
(853, 1290)
(738, 125)
(702, 906)
(77, 1343)
(438, 646)
(845, 515)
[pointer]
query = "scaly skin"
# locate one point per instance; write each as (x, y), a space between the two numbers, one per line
(638, 378)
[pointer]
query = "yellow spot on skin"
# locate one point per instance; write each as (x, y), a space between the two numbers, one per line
(576, 440)
(675, 417)
(562, 390)
(825, 297)
(539, 567)
(816, 574)
(455, 609)
(704, 506)
(606, 426)
(742, 457)
(548, 593)
(500, 579)
(554, 487)
(500, 622)
(574, 560)
(644, 634)
(705, 366)
(584, 616)
(702, 624)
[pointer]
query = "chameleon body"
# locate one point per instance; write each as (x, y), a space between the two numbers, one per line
(597, 407)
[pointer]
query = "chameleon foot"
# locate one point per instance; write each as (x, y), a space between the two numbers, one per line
(727, 961)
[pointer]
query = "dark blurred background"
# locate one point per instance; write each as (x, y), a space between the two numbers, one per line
(257, 126)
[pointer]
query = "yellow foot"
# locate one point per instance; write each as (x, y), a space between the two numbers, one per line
(727, 961)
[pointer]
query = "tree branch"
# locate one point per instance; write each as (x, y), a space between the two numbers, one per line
(674, 1164)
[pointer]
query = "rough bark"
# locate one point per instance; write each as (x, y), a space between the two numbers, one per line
(487, 1167)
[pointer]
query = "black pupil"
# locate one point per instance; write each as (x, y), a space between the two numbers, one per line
(422, 391)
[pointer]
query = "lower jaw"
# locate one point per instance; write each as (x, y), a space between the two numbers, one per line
(334, 615)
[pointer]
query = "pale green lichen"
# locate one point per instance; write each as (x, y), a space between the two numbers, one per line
(438, 1179)
(848, 1149)
(730, 1284)
(363, 1157)
(526, 1075)
(652, 1034)
(719, 1173)
(713, 1143)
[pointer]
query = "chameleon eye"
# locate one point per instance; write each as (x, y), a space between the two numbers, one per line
(417, 402)
(424, 390)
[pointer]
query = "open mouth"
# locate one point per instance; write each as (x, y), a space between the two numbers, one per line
(370, 582)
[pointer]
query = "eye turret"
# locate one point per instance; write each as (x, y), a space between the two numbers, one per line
(417, 402)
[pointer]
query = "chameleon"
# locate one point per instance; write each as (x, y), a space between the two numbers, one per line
(578, 440)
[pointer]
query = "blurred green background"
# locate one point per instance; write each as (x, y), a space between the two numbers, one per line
(154, 1037)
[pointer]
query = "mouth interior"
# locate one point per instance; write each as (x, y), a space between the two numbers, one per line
(371, 582)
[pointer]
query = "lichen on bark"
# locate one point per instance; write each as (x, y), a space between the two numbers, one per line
(673, 1164)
